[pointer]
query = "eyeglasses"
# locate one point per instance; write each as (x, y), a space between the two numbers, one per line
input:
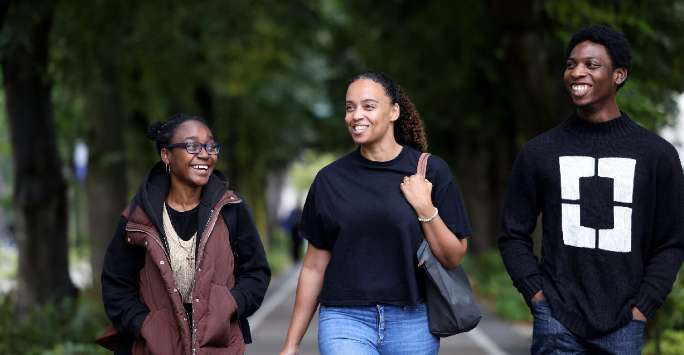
(195, 148)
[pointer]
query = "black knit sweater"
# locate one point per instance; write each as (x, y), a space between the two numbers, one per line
(611, 197)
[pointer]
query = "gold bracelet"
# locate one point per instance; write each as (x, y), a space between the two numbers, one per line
(428, 219)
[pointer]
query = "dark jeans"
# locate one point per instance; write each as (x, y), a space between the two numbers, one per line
(551, 337)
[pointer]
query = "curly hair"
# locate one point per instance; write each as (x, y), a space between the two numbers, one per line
(162, 132)
(616, 44)
(408, 129)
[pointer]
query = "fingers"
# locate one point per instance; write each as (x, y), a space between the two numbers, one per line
(414, 177)
(414, 181)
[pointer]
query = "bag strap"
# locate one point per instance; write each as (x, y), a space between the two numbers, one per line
(422, 164)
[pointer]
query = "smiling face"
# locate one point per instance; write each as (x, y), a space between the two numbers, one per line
(370, 113)
(592, 81)
(190, 169)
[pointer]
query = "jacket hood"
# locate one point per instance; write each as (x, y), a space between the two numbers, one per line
(152, 193)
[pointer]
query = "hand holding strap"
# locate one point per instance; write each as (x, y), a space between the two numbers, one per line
(421, 170)
(422, 164)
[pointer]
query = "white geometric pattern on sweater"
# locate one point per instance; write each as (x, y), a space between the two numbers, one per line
(621, 170)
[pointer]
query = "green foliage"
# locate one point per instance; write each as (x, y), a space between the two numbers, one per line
(67, 327)
(654, 31)
(305, 168)
(666, 329)
(496, 58)
(253, 68)
(279, 252)
(670, 343)
(485, 77)
(271, 78)
(492, 283)
(8, 263)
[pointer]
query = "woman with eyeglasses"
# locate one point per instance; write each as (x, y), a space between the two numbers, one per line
(186, 266)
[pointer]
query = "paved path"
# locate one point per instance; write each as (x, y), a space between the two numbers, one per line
(269, 326)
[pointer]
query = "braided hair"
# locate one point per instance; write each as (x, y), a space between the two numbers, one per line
(408, 129)
(162, 132)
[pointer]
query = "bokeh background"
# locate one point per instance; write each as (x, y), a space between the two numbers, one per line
(270, 77)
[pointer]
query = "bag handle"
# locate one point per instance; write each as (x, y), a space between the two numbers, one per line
(422, 164)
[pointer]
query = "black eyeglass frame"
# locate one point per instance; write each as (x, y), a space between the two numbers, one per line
(187, 145)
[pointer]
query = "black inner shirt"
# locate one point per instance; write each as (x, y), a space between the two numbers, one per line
(185, 223)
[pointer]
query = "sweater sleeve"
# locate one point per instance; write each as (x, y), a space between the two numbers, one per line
(519, 218)
(666, 251)
(122, 265)
(252, 274)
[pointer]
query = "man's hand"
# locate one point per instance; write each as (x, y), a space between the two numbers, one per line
(539, 296)
(637, 315)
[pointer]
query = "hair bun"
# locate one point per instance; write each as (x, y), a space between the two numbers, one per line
(154, 130)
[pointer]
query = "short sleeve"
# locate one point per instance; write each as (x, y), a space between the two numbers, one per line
(446, 196)
(312, 225)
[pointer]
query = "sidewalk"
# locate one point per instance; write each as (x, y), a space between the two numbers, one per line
(269, 327)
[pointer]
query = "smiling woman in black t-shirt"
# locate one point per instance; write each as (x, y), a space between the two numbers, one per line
(364, 217)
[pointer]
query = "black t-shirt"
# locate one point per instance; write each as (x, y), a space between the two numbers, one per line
(356, 210)
(185, 223)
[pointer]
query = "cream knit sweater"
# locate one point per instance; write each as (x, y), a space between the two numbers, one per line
(182, 253)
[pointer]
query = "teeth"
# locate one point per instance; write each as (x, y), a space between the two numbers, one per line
(360, 128)
(203, 167)
(579, 89)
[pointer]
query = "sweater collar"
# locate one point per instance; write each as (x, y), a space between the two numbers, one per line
(619, 126)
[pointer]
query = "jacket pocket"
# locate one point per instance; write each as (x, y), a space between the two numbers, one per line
(218, 322)
(159, 335)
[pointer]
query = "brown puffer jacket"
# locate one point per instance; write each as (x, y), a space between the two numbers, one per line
(165, 330)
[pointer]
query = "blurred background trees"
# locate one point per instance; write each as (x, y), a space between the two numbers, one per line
(40, 201)
(270, 76)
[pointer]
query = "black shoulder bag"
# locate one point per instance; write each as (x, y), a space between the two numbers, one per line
(450, 302)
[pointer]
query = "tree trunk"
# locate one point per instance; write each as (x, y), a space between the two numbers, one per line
(40, 201)
(246, 174)
(275, 182)
(481, 167)
(534, 104)
(106, 187)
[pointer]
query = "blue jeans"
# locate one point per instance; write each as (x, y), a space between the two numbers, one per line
(549, 336)
(375, 330)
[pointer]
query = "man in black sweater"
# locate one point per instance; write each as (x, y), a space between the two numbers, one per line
(611, 196)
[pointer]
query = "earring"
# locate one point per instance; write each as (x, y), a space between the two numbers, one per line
(168, 168)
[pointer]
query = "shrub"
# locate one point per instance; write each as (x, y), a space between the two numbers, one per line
(60, 328)
(666, 329)
(494, 287)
